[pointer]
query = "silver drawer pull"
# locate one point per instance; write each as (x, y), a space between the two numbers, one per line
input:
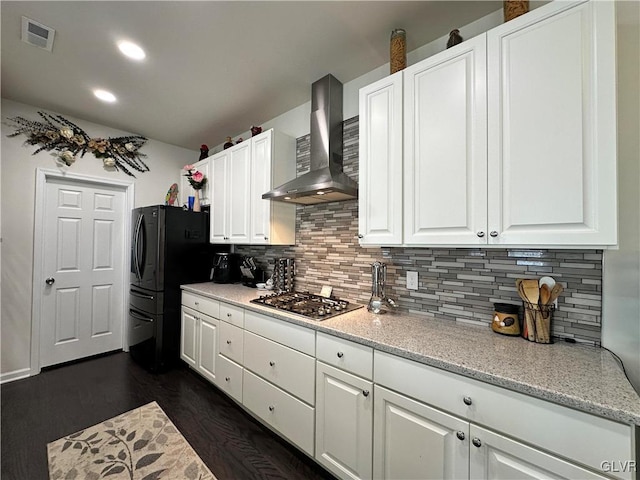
(228, 314)
(340, 354)
(476, 442)
(460, 435)
(227, 378)
(467, 400)
(228, 342)
(493, 233)
(271, 408)
(365, 393)
(272, 363)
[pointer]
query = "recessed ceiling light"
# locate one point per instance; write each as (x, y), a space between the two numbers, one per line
(131, 50)
(105, 96)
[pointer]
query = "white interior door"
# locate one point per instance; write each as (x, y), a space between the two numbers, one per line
(82, 270)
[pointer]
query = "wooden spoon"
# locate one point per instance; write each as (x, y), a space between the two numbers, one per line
(531, 291)
(555, 292)
(545, 294)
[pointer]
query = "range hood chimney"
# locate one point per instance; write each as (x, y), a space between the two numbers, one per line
(325, 182)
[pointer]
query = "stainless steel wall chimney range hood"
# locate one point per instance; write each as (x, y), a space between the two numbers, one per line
(325, 182)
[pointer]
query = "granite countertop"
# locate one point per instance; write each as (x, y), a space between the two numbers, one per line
(582, 377)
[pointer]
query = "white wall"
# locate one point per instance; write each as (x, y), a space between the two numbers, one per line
(297, 122)
(17, 195)
(621, 273)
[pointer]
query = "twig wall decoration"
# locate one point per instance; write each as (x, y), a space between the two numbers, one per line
(67, 139)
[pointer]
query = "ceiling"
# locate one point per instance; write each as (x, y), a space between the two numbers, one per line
(212, 68)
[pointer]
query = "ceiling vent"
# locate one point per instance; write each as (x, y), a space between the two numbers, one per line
(37, 34)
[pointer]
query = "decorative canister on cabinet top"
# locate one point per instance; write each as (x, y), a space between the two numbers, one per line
(514, 8)
(398, 55)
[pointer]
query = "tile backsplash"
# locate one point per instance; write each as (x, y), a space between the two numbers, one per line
(459, 284)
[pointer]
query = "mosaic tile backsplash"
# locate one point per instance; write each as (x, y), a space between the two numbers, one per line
(454, 284)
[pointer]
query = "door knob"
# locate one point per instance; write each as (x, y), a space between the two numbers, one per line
(50, 281)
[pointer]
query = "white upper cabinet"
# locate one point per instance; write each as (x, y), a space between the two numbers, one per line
(380, 179)
(552, 126)
(219, 205)
(272, 164)
(230, 206)
(445, 154)
(509, 138)
(241, 174)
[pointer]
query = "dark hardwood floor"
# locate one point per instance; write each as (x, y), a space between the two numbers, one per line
(43, 408)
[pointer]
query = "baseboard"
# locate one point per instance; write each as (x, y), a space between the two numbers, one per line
(15, 375)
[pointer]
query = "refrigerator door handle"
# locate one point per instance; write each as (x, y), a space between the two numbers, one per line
(141, 295)
(137, 316)
(136, 248)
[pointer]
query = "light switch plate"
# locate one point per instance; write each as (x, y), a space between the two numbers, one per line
(412, 280)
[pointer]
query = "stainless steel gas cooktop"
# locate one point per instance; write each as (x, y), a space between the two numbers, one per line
(314, 307)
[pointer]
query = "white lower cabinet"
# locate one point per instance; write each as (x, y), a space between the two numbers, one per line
(199, 342)
(286, 414)
(363, 413)
(344, 422)
(413, 440)
(494, 456)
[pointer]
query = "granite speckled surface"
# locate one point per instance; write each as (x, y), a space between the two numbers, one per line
(582, 377)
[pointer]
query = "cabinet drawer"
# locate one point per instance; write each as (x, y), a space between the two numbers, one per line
(229, 378)
(346, 355)
(284, 413)
(201, 304)
(232, 314)
(294, 336)
(555, 428)
(231, 341)
(287, 368)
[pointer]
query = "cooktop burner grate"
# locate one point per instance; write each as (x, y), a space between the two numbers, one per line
(306, 304)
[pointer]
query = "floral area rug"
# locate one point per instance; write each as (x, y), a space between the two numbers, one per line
(141, 444)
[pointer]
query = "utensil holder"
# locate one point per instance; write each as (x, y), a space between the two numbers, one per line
(536, 325)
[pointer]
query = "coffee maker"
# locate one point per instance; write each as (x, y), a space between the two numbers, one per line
(226, 268)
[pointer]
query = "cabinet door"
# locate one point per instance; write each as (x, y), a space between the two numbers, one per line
(380, 179)
(415, 441)
(220, 195)
(188, 336)
(261, 155)
(344, 422)
(208, 347)
(445, 152)
(494, 456)
(239, 191)
(552, 126)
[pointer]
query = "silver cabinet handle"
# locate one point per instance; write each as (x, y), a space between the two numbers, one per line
(493, 233)
(229, 315)
(340, 354)
(227, 378)
(467, 400)
(228, 342)
(365, 393)
(272, 363)
(197, 303)
(271, 408)
(480, 234)
(460, 435)
(266, 238)
(476, 442)
(360, 235)
(50, 281)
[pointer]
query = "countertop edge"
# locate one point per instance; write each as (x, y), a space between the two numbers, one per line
(577, 403)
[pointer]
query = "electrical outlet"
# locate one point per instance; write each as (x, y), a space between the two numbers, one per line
(412, 280)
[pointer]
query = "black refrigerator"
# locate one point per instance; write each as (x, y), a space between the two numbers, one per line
(170, 247)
